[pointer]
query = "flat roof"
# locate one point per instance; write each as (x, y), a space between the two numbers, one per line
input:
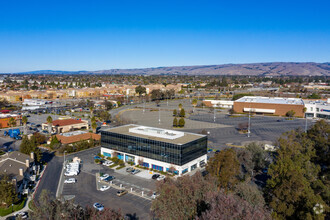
(271, 100)
(157, 134)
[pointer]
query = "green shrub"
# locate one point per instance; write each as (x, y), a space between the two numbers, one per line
(113, 165)
(120, 167)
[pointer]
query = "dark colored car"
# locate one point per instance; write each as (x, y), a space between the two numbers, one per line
(218, 151)
(155, 176)
(110, 178)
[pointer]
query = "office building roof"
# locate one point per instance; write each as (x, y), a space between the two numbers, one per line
(66, 122)
(271, 100)
(157, 134)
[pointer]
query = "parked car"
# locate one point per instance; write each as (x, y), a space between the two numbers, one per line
(109, 178)
(104, 176)
(70, 180)
(161, 178)
(97, 158)
(129, 169)
(104, 188)
(22, 215)
(135, 171)
(209, 150)
(70, 173)
(98, 206)
(155, 176)
(122, 192)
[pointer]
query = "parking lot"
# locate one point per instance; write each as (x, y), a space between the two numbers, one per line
(85, 190)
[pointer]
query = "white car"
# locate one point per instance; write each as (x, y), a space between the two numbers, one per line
(98, 206)
(70, 173)
(104, 176)
(108, 163)
(70, 180)
(104, 188)
(161, 178)
(22, 215)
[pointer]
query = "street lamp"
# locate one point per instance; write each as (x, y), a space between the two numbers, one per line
(159, 115)
(64, 159)
(249, 123)
(214, 114)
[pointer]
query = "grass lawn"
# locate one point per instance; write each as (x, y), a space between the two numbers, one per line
(15, 208)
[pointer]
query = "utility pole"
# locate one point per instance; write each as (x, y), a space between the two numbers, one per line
(249, 124)
(214, 114)
(144, 106)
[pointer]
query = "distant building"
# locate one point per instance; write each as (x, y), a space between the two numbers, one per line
(219, 103)
(155, 148)
(66, 125)
(4, 120)
(318, 108)
(76, 136)
(269, 105)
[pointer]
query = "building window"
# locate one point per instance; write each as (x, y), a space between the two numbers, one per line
(317, 109)
(311, 108)
(145, 164)
(106, 154)
(184, 171)
(155, 167)
(193, 167)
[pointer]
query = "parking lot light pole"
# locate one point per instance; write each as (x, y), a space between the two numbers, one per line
(64, 159)
(158, 115)
(249, 124)
(305, 123)
(214, 114)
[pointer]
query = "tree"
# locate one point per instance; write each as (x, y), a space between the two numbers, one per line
(225, 167)
(54, 143)
(91, 109)
(94, 127)
(140, 90)
(238, 96)
(7, 191)
(181, 122)
(194, 103)
(182, 113)
(108, 105)
(93, 119)
(175, 113)
(49, 122)
(250, 193)
(30, 146)
(40, 138)
(319, 133)
(291, 188)
(156, 94)
(290, 113)
(24, 121)
(175, 122)
(222, 206)
(182, 198)
(12, 122)
(180, 106)
(314, 96)
(258, 156)
(105, 116)
(48, 208)
(245, 159)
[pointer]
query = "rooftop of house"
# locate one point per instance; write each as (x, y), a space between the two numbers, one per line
(158, 134)
(66, 122)
(271, 100)
(69, 139)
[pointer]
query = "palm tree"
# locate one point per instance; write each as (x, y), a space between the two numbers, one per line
(194, 103)
(91, 109)
(24, 121)
(94, 126)
(50, 122)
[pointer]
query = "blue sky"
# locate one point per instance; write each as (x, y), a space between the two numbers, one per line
(95, 35)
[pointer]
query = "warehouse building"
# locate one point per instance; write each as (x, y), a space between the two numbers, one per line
(269, 105)
(155, 148)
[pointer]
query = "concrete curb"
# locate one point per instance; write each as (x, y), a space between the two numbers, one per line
(60, 184)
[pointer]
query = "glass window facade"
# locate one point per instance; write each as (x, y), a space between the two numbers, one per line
(157, 150)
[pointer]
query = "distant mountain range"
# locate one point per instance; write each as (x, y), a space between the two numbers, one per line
(265, 69)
